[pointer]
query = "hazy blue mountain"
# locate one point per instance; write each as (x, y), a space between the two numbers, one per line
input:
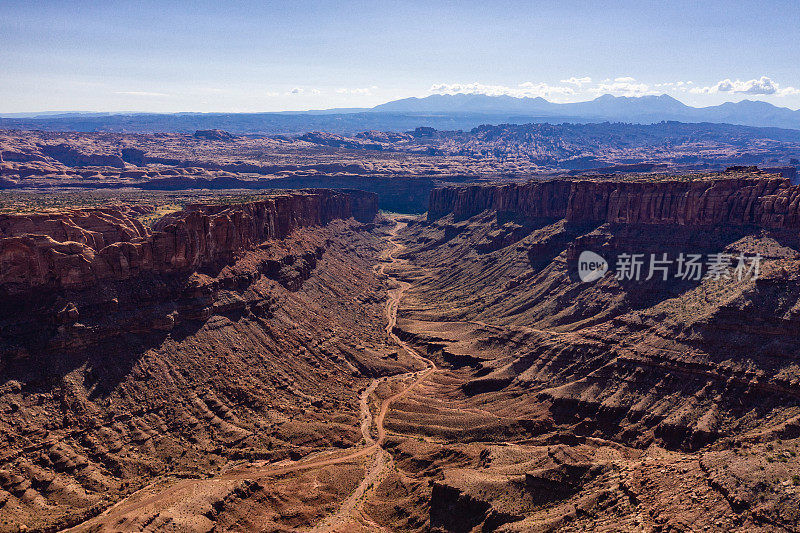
(605, 106)
(643, 109)
(467, 103)
(617, 107)
(57, 114)
(751, 113)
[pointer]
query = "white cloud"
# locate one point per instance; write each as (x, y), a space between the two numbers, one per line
(583, 88)
(366, 91)
(140, 93)
(545, 90)
(577, 81)
(301, 90)
(675, 86)
(623, 86)
(762, 86)
(526, 89)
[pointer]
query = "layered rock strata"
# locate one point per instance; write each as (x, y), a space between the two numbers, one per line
(76, 249)
(766, 201)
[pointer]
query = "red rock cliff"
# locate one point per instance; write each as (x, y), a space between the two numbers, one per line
(766, 201)
(533, 199)
(74, 251)
(96, 228)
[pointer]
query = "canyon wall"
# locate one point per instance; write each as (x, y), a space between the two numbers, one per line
(77, 249)
(95, 228)
(766, 201)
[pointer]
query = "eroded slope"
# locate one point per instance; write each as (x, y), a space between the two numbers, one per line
(616, 405)
(160, 375)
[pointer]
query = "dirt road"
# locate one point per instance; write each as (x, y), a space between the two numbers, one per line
(350, 516)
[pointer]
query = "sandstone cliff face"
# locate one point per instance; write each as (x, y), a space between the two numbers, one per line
(765, 201)
(532, 200)
(78, 249)
(95, 228)
(690, 203)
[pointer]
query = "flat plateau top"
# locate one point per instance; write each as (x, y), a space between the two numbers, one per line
(656, 177)
(56, 201)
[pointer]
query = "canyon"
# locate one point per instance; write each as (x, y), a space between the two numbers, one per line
(392, 267)
(621, 404)
(297, 360)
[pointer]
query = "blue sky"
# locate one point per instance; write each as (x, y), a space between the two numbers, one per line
(270, 56)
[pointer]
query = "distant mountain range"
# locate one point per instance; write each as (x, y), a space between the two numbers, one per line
(639, 110)
(459, 111)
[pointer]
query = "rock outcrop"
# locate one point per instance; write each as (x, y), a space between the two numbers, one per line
(213, 135)
(766, 201)
(74, 157)
(76, 249)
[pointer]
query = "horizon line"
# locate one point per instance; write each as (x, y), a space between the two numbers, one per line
(355, 110)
